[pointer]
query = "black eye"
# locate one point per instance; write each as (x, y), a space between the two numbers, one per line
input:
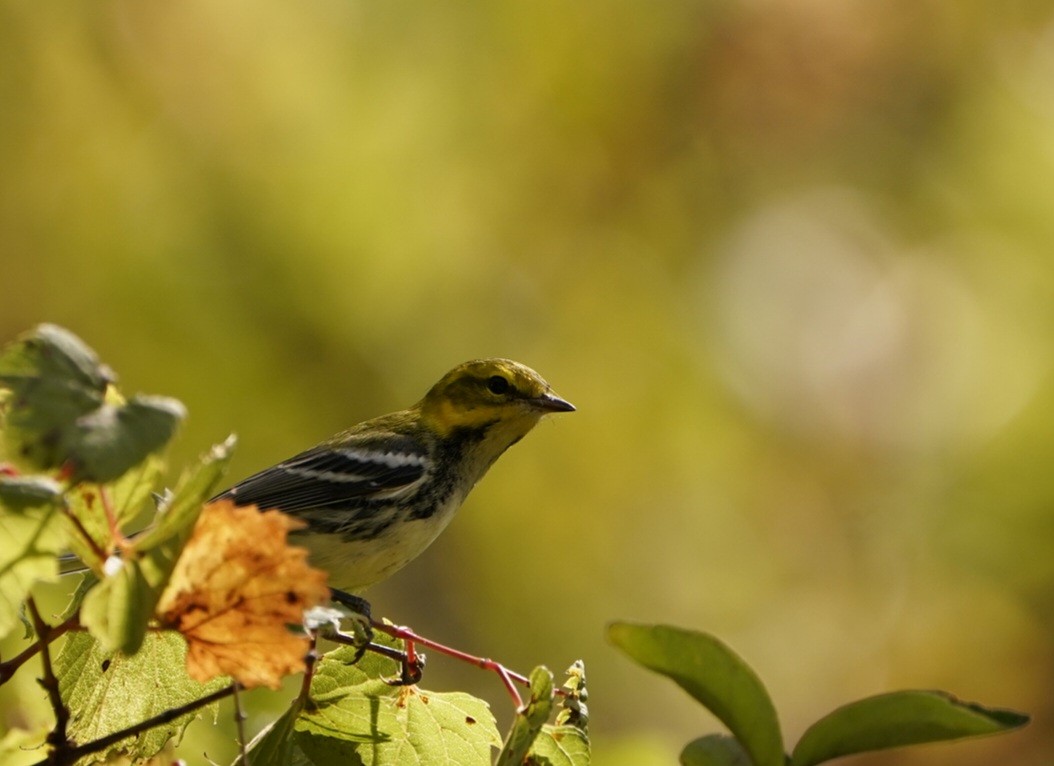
(496, 384)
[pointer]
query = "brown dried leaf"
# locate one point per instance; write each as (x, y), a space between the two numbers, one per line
(235, 590)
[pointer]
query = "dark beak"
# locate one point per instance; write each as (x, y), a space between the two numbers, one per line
(552, 403)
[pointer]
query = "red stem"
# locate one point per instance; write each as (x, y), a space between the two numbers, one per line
(508, 678)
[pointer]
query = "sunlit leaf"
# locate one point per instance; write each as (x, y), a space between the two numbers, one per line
(236, 587)
(573, 708)
(107, 692)
(566, 743)
(896, 719)
(133, 491)
(354, 716)
(529, 719)
(93, 538)
(34, 532)
(85, 583)
(128, 496)
(117, 611)
(559, 746)
(715, 676)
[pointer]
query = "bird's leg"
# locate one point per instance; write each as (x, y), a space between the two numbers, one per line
(410, 662)
(359, 620)
(355, 603)
(360, 616)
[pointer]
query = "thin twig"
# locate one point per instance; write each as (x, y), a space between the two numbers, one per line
(239, 722)
(68, 754)
(407, 634)
(509, 678)
(412, 663)
(11, 666)
(57, 736)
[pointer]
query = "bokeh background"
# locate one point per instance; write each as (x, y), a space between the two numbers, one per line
(792, 259)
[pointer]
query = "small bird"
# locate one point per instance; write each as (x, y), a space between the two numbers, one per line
(374, 496)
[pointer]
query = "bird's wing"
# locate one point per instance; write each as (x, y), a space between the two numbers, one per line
(372, 466)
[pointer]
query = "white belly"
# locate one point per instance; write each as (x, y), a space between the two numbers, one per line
(356, 564)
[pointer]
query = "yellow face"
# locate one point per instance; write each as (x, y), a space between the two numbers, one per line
(487, 391)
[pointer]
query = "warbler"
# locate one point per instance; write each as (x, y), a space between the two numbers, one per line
(374, 496)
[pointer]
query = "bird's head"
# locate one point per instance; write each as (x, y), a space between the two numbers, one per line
(490, 392)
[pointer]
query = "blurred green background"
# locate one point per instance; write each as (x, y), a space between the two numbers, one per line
(791, 259)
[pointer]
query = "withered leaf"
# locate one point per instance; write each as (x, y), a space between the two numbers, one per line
(236, 589)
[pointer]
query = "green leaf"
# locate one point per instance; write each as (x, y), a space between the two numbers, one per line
(34, 532)
(133, 492)
(559, 746)
(109, 692)
(104, 444)
(58, 411)
(715, 750)
(19, 493)
(715, 676)
(119, 609)
(566, 743)
(276, 744)
(86, 582)
(573, 708)
(54, 379)
(161, 545)
(529, 719)
(896, 719)
(533, 741)
(52, 351)
(355, 716)
(128, 497)
(178, 514)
